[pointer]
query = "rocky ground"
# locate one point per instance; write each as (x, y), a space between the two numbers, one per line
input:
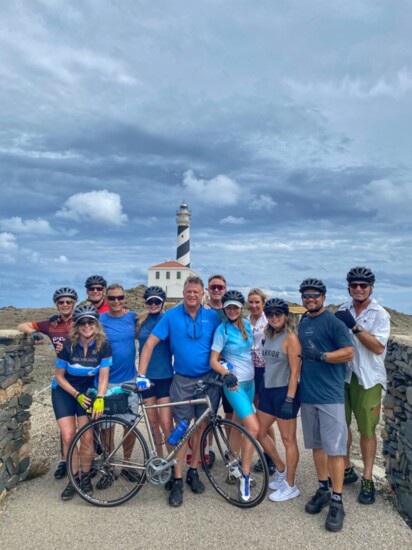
(44, 433)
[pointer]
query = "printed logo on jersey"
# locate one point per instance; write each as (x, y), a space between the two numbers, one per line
(271, 353)
(309, 331)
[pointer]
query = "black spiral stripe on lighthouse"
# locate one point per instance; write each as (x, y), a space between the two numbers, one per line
(181, 228)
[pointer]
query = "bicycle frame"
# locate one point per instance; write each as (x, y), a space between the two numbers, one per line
(185, 437)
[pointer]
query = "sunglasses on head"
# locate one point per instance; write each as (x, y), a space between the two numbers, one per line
(86, 322)
(216, 287)
(65, 302)
(98, 288)
(113, 298)
(270, 314)
(309, 295)
(153, 302)
(360, 285)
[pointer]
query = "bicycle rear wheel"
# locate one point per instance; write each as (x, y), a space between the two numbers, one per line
(235, 450)
(118, 461)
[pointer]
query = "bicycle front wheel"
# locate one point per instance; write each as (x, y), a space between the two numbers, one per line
(115, 454)
(236, 453)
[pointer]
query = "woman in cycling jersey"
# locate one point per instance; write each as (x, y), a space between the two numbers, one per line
(83, 363)
(279, 397)
(160, 369)
(233, 342)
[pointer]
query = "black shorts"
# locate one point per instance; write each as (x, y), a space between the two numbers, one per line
(182, 389)
(259, 379)
(272, 399)
(160, 389)
(227, 407)
(65, 404)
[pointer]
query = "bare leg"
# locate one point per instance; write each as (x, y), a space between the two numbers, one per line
(368, 451)
(154, 421)
(268, 444)
(166, 421)
(336, 466)
(67, 426)
(288, 433)
(251, 423)
(321, 464)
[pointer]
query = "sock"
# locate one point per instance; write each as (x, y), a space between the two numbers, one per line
(337, 496)
(324, 484)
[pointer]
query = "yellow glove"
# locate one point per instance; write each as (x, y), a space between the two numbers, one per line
(98, 405)
(81, 399)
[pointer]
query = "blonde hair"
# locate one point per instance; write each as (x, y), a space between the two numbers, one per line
(240, 325)
(288, 326)
(99, 334)
(259, 293)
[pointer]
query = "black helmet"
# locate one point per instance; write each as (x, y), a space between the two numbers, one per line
(316, 284)
(276, 303)
(233, 297)
(65, 291)
(360, 274)
(154, 292)
(95, 280)
(83, 311)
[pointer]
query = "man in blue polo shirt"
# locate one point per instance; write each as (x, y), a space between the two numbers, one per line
(190, 328)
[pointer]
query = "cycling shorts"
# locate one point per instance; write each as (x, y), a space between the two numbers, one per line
(160, 389)
(272, 399)
(65, 404)
(242, 398)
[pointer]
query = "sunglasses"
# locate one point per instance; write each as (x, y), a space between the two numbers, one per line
(97, 288)
(309, 295)
(65, 302)
(86, 322)
(154, 302)
(113, 298)
(363, 286)
(270, 314)
(216, 287)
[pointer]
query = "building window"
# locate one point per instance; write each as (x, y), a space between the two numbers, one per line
(157, 274)
(167, 274)
(178, 274)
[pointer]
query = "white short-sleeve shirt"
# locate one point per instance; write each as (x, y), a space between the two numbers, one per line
(369, 367)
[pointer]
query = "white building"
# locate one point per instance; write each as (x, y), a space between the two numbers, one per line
(170, 276)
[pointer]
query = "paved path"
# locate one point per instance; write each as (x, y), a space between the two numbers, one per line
(34, 517)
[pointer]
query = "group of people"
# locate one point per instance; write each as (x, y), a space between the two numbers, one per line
(332, 367)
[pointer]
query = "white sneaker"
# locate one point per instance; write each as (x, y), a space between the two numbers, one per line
(278, 479)
(285, 492)
(244, 487)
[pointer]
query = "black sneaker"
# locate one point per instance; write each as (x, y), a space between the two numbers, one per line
(131, 475)
(318, 502)
(367, 492)
(350, 476)
(68, 492)
(105, 481)
(258, 466)
(176, 493)
(193, 479)
(334, 521)
(93, 469)
(86, 484)
(169, 484)
(61, 470)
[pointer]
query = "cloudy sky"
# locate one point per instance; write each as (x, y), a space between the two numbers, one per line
(285, 125)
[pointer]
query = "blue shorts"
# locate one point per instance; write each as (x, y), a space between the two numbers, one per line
(65, 404)
(160, 389)
(242, 399)
(272, 399)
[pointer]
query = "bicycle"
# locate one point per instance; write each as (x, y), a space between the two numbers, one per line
(123, 459)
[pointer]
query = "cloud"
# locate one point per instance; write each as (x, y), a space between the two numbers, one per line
(219, 191)
(8, 242)
(34, 227)
(61, 260)
(97, 206)
(232, 220)
(263, 202)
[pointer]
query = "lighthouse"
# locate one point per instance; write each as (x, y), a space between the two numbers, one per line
(183, 216)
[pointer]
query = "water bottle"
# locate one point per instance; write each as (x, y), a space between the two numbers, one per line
(178, 432)
(227, 365)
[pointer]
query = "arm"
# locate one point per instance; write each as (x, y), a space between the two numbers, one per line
(369, 341)
(146, 354)
(27, 328)
(293, 349)
(216, 366)
(342, 355)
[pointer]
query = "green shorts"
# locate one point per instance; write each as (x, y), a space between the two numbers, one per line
(365, 405)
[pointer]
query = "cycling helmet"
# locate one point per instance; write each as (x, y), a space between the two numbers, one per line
(315, 284)
(360, 274)
(66, 292)
(154, 292)
(95, 280)
(276, 303)
(233, 297)
(86, 310)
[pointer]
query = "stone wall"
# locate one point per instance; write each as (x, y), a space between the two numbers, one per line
(16, 365)
(397, 433)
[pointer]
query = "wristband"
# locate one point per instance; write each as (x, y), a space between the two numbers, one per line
(357, 330)
(323, 356)
(289, 399)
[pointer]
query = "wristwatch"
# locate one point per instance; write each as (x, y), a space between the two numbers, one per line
(357, 330)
